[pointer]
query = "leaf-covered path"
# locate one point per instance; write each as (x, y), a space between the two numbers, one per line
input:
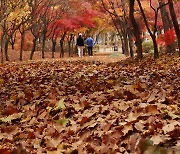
(90, 106)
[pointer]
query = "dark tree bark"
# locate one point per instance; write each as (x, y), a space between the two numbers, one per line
(53, 47)
(152, 34)
(175, 22)
(136, 29)
(6, 48)
(120, 23)
(22, 43)
(69, 44)
(2, 44)
(119, 31)
(34, 47)
(126, 44)
(43, 42)
(167, 24)
(62, 45)
(12, 44)
(12, 40)
(131, 44)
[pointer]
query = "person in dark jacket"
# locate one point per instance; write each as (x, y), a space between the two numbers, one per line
(80, 45)
(90, 44)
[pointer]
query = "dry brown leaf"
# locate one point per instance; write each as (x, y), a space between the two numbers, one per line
(107, 127)
(170, 127)
(132, 116)
(84, 120)
(127, 128)
(157, 139)
(152, 109)
(139, 125)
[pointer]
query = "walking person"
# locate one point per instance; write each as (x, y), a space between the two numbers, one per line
(80, 45)
(90, 44)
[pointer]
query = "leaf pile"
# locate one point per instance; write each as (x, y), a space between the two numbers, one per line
(90, 107)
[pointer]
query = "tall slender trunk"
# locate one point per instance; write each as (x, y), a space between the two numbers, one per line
(33, 48)
(12, 45)
(2, 44)
(22, 45)
(130, 43)
(126, 46)
(43, 43)
(12, 40)
(72, 47)
(69, 44)
(62, 45)
(175, 22)
(152, 34)
(2, 39)
(135, 29)
(6, 48)
(156, 52)
(53, 47)
(62, 48)
(119, 34)
(122, 42)
(167, 24)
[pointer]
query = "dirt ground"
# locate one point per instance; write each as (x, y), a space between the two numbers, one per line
(104, 57)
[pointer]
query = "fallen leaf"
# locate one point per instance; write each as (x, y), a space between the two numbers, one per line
(9, 118)
(127, 128)
(63, 122)
(107, 127)
(170, 127)
(84, 120)
(139, 125)
(60, 104)
(157, 139)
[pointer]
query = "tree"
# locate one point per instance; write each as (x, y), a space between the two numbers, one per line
(118, 13)
(35, 23)
(12, 20)
(154, 31)
(167, 24)
(136, 30)
(175, 22)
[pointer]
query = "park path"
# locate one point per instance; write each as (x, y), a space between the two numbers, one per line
(106, 56)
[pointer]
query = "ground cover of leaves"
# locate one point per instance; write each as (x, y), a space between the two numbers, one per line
(90, 107)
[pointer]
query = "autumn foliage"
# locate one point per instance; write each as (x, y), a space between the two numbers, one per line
(90, 106)
(167, 38)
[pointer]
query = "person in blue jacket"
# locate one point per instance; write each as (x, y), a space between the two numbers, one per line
(90, 44)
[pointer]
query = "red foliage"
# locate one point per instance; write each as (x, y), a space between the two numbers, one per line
(167, 38)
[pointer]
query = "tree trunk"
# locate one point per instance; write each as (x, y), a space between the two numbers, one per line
(69, 44)
(62, 48)
(167, 24)
(6, 49)
(135, 29)
(43, 43)
(22, 45)
(12, 45)
(126, 46)
(2, 44)
(53, 47)
(122, 42)
(175, 22)
(12, 40)
(156, 53)
(130, 43)
(152, 34)
(62, 45)
(34, 48)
